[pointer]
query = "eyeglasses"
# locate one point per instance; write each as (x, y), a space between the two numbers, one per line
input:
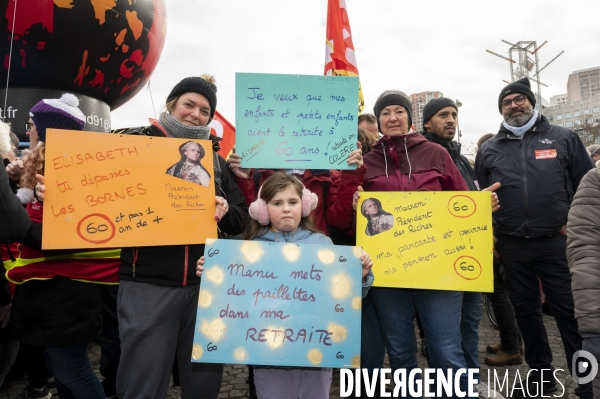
(29, 126)
(519, 100)
(18, 153)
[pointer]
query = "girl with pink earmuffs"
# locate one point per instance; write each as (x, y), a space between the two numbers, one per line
(282, 214)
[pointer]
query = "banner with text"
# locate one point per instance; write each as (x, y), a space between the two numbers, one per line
(295, 121)
(279, 304)
(108, 190)
(430, 240)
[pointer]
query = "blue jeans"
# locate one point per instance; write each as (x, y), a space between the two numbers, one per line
(440, 313)
(469, 328)
(71, 369)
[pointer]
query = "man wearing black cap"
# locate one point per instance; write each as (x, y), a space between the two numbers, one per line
(440, 117)
(539, 166)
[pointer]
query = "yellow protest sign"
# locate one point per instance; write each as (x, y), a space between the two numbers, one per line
(106, 190)
(432, 240)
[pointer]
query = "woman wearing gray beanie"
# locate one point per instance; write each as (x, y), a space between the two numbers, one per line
(158, 295)
(402, 160)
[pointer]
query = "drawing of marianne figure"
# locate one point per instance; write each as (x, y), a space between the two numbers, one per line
(189, 167)
(378, 220)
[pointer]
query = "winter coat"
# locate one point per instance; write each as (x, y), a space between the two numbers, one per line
(317, 181)
(583, 252)
(539, 174)
(339, 202)
(410, 163)
(57, 311)
(175, 265)
(15, 222)
(461, 162)
(307, 237)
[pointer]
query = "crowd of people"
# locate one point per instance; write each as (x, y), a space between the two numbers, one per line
(140, 303)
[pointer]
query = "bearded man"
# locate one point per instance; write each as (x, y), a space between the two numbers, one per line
(539, 167)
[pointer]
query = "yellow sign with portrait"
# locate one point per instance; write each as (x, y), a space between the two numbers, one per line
(112, 191)
(430, 240)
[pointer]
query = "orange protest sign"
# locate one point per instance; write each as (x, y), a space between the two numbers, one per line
(106, 190)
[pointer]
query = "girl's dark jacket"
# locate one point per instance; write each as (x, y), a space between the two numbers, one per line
(175, 265)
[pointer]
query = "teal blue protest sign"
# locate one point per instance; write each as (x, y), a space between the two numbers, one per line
(295, 121)
(279, 304)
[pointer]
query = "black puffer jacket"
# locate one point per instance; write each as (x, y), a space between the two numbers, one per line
(583, 252)
(175, 265)
(539, 174)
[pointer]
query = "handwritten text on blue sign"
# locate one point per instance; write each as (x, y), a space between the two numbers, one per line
(295, 121)
(279, 304)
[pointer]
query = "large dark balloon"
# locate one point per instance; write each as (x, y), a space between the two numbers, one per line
(105, 49)
(102, 49)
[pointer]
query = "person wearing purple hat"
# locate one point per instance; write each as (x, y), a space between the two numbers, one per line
(539, 166)
(53, 309)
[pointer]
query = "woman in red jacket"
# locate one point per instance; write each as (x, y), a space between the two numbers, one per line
(406, 161)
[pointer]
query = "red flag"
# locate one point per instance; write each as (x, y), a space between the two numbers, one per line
(221, 127)
(340, 58)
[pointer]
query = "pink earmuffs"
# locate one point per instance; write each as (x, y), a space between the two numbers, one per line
(259, 212)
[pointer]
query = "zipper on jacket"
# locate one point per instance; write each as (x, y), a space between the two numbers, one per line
(523, 160)
(185, 266)
(135, 256)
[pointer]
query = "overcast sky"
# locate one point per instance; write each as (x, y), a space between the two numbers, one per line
(412, 46)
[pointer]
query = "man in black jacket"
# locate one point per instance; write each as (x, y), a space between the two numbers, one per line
(440, 118)
(539, 166)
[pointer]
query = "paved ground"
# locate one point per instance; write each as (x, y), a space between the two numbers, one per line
(234, 376)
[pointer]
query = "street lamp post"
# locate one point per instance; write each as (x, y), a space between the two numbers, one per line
(458, 105)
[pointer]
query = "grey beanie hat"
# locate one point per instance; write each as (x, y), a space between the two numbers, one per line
(434, 106)
(393, 97)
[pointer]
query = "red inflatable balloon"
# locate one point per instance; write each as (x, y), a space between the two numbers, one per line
(105, 49)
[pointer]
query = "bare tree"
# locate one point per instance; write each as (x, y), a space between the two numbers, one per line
(589, 131)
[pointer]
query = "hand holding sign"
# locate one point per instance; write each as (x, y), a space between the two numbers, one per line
(495, 201)
(235, 165)
(40, 187)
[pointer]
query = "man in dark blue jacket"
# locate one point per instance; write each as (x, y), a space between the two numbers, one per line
(539, 166)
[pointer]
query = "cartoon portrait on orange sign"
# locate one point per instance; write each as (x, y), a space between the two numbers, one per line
(189, 166)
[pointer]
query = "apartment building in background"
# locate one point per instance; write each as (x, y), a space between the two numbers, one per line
(583, 85)
(559, 99)
(418, 102)
(580, 107)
